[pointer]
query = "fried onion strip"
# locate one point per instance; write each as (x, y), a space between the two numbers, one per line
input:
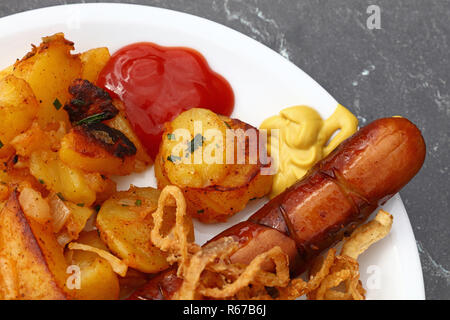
(117, 265)
(254, 272)
(176, 241)
(366, 235)
(198, 263)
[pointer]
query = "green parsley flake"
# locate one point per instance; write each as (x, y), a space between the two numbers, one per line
(173, 158)
(59, 194)
(98, 117)
(57, 104)
(195, 143)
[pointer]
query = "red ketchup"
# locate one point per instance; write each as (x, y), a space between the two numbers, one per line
(157, 83)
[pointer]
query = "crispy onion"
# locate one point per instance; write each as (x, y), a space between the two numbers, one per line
(117, 265)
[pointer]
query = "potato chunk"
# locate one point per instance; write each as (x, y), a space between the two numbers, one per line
(125, 223)
(93, 62)
(182, 142)
(49, 70)
(98, 280)
(121, 123)
(18, 108)
(213, 191)
(34, 266)
(69, 182)
(80, 151)
(93, 145)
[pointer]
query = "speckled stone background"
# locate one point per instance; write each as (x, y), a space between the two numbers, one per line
(401, 69)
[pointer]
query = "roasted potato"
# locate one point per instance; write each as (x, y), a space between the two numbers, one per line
(125, 223)
(58, 177)
(213, 191)
(18, 108)
(120, 122)
(35, 267)
(19, 178)
(103, 186)
(98, 280)
(80, 150)
(94, 145)
(93, 62)
(49, 70)
(35, 139)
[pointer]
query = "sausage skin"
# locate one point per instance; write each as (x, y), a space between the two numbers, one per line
(338, 194)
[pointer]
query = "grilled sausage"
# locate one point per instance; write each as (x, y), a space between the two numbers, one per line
(338, 194)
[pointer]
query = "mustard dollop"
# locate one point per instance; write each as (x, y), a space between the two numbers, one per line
(304, 138)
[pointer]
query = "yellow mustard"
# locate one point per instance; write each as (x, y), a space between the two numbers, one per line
(304, 138)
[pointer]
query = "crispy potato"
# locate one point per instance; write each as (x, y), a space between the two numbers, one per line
(103, 186)
(98, 280)
(35, 139)
(125, 223)
(60, 178)
(96, 146)
(80, 151)
(93, 62)
(121, 123)
(12, 179)
(18, 108)
(33, 256)
(215, 191)
(176, 146)
(49, 70)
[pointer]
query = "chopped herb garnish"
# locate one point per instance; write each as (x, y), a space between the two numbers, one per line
(1, 144)
(125, 205)
(95, 118)
(173, 158)
(15, 159)
(57, 104)
(200, 211)
(138, 203)
(78, 102)
(227, 124)
(170, 136)
(80, 205)
(195, 143)
(97, 207)
(41, 181)
(59, 194)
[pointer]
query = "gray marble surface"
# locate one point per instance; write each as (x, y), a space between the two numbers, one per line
(401, 69)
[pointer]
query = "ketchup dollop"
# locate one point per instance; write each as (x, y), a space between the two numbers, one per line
(157, 83)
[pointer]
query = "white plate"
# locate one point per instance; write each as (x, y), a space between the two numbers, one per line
(263, 81)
